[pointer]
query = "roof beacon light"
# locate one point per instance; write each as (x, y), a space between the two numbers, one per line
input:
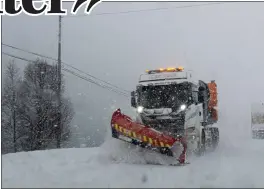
(171, 69)
(179, 69)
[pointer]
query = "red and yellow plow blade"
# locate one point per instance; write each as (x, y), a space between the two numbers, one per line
(124, 125)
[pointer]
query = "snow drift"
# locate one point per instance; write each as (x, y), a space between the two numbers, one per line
(117, 164)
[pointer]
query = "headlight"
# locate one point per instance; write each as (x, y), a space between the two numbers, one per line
(140, 109)
(183, 107)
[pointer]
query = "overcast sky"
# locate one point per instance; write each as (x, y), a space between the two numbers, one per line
(223, 42)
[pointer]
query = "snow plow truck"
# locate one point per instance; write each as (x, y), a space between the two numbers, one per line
(172, 110)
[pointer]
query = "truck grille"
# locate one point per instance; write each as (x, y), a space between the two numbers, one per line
(173, 127)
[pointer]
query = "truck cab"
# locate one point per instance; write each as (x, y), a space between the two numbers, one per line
(170, 101)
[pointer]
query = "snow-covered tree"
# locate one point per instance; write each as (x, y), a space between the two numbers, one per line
(30, 108)
(40, 106)
(10, 103)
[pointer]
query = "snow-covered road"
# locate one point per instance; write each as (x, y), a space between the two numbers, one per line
(238, 164)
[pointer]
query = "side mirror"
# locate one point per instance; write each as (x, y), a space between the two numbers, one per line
(201, 95)
(133, 99)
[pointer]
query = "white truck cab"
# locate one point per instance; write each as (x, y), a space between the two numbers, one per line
(170, 101)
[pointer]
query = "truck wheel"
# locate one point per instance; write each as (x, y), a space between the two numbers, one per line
(201, 145)
(215, 137)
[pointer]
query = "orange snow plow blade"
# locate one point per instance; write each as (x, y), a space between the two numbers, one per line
(123, 127)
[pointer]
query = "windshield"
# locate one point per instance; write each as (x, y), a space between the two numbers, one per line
(164, 96)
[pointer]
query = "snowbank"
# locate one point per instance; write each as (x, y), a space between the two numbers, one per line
(114, 165)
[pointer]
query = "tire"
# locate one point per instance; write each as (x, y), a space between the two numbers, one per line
(215, 138)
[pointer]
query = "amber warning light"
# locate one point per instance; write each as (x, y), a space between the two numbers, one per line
(178, 69)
